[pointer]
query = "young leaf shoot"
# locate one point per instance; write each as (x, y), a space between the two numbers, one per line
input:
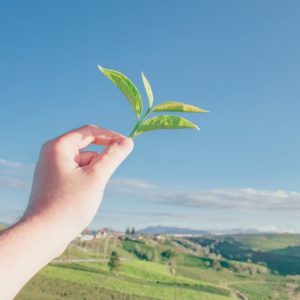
(143, 123)
(148, 90)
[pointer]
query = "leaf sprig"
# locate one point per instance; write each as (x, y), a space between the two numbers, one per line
(134, 97)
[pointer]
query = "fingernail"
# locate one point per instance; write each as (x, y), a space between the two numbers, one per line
(125, 142)
(121, 141)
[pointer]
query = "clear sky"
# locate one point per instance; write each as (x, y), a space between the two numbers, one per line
(238, 59)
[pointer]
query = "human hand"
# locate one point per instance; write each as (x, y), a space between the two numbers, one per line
(67, 190)
(68, 183)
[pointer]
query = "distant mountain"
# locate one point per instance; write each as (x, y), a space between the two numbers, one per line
(188, 231)
(238, 231)
(171, 230)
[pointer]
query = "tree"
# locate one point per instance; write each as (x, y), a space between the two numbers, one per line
(127, 231)
(167, 254)
(114, 261)
(132, 230)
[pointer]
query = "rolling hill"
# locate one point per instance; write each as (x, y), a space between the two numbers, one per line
(208, 268)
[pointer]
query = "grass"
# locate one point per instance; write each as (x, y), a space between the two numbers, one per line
(46, 288)
(64, 282)
(276, 252)
(267, 242)
(145, 273)
(262, 291)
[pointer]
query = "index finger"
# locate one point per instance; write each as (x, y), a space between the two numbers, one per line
(90, 134)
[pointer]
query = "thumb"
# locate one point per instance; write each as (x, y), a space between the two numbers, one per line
(108, 161)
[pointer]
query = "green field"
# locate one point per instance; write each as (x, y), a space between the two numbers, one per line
(267, 242)
(278, 252)
(149, 269)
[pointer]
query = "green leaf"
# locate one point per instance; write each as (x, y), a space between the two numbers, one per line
(148, 90)
(177, 107)
(127, 87)
(163, 122)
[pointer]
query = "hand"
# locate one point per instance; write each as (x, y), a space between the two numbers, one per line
(69, 183)
(67, 190)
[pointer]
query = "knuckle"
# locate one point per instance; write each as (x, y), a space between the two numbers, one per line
(46, 146)
(53, 147)
(90, 126)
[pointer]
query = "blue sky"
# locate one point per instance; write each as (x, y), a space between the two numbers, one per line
(238, 59)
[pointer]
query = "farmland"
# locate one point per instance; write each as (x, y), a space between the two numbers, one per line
(171, 268)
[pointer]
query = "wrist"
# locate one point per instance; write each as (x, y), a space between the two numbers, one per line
(25, 248)
(63, 221)
(48, 232)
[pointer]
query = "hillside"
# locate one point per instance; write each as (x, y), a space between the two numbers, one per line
(279, 252)
(265, 242)
(164, 268)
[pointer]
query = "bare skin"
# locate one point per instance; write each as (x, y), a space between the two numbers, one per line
(66, 193)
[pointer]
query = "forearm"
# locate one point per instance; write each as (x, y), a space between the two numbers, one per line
(25, 248)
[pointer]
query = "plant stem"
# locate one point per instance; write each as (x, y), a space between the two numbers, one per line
(131, 135)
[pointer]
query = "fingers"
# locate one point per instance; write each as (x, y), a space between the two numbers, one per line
(85, 157)
(107, 162)
(90, 134)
